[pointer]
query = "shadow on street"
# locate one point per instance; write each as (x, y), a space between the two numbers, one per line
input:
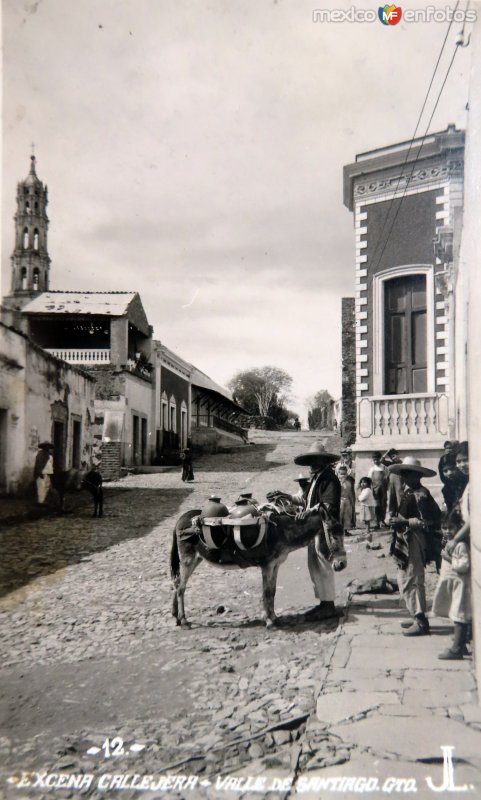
(41, 547)
(249, 459)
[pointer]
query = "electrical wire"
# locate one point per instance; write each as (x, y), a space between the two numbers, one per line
(411, 143)
(417, 156)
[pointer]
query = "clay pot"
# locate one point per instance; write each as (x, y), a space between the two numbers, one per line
(243, 509)
(214, 508)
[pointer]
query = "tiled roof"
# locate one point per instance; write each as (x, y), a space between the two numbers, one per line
(112, 303)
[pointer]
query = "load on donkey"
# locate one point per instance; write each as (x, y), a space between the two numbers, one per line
(249, 535)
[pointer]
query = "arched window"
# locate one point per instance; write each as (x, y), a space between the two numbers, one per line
(36, 208)
(27, 207)
(172, 415)
(403, 316)
(25, 238)
(164, 412)
(24, 276)
(35, 239)
(405, 335)
(36, 278)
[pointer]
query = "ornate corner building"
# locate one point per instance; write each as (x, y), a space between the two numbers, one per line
(407, 204)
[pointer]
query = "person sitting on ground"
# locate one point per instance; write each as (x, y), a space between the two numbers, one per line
(367, 502)
(452, 598)
(415, 526)
(347, 516)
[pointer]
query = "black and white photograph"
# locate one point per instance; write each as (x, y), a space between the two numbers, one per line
(240, 371)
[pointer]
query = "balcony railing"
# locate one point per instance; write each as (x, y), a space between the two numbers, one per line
(405, 416)
(81, 356)
(212, 421)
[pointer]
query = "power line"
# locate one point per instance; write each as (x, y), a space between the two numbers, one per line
(417, 156)
(414, 136)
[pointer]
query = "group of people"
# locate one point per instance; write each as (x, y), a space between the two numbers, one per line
(392, 496)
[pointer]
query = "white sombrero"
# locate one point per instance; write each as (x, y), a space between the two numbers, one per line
(411, 464)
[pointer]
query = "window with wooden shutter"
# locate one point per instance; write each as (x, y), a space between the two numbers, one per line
(405, 330)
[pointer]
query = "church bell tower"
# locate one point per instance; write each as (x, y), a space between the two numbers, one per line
(30, 259)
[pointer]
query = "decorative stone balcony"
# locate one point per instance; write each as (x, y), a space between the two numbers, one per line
(81, 356)
(390, 420)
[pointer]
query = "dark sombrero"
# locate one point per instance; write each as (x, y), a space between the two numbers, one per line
(411, 464)
(317, 454)
(300, 478)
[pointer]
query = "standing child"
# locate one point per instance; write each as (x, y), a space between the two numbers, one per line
(379, 476)
(453, 593)
(348, 500)
(367, 502)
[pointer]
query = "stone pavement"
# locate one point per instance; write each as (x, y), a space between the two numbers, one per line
(90, 654)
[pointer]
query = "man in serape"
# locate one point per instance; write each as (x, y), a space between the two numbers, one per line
(324, 490)
(417, 521)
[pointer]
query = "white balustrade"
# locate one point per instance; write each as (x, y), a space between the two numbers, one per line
(391, 417)
(79, 356)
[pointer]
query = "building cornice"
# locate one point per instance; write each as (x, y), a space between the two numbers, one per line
(397, 168)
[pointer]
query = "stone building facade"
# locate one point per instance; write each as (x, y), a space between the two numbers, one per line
(173, 400)
(407, 204)
(41, 399)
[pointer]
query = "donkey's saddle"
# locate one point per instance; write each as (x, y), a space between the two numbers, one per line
(233, 540)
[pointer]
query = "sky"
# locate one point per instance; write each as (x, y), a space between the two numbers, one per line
(193, 152)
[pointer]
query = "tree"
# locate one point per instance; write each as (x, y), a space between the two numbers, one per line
(320, 410)
(261, 390)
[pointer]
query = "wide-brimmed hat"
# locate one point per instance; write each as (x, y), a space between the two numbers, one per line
(46, 445)
(302, 477)
(411, 464)
(316, 454)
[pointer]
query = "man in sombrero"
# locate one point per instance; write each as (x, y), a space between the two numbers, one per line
(323, 489)
(416, 523)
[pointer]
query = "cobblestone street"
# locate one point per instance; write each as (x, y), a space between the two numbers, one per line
(91, 652)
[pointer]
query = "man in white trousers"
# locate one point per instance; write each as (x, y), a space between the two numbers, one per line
(324, 490)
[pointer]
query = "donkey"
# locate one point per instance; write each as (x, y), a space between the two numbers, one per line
(92, 482)
(283, 535)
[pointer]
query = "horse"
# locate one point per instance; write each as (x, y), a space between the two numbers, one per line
(284, 533)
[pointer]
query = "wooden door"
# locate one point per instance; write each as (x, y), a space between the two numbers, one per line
(405, 329)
